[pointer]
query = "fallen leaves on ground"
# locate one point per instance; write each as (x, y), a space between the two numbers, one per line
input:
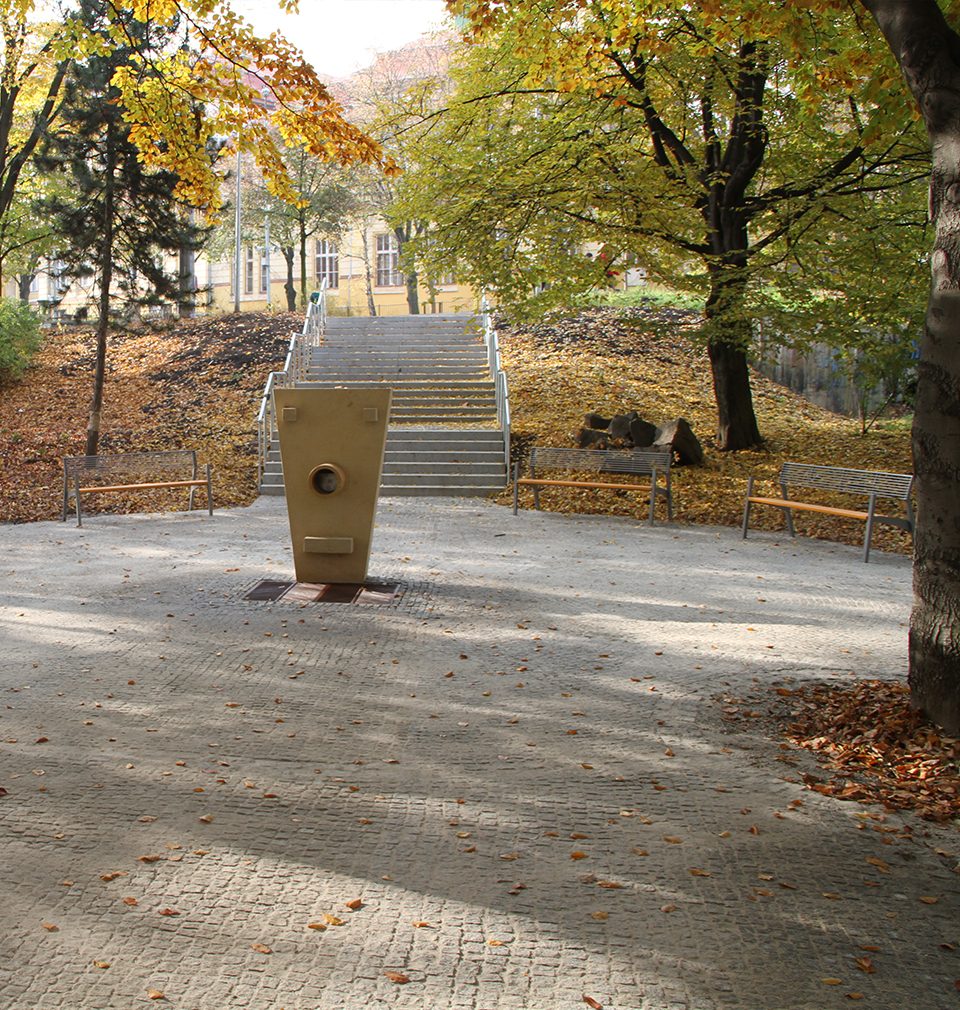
(196, 385)
(876, 748)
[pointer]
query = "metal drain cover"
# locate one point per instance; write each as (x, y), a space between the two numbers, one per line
(318, 592)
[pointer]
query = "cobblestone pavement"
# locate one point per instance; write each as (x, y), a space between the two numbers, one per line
(518, 768)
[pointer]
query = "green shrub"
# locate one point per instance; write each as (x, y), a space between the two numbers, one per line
(19, 337)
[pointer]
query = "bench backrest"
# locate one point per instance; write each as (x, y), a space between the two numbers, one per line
(131, 467)
(636, 461)
(839, 478)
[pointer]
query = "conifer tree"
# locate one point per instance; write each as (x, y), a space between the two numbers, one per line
(116, 219)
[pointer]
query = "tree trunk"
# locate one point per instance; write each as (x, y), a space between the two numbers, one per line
(289, 287)
(928, 51)
(187, 284)
(728, 337)
(23, 287)
(412, 280)
(371, 304)
(303, 263)
(106, 279)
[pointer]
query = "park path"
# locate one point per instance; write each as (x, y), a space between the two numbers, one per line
(516, 771)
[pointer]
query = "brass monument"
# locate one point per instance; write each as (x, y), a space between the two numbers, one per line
(331, 445)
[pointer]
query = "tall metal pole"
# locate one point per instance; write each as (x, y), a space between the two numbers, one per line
(266, 256)
(236, 242)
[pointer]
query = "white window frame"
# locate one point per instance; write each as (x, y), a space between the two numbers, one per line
(388, 262)
(327, 262)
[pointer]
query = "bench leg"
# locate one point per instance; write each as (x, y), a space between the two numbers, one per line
(653, 494)
(76, 499)
(209, 492)
(788, 513)
(746, 507)
(516, 487)
(868, 536)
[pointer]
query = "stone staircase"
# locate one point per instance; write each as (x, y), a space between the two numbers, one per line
(443, 437)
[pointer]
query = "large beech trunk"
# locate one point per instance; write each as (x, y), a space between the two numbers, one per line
(736, 421)
(728, 337)
(928, 51)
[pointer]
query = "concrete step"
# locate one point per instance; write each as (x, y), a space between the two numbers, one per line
(438, 491)
(490, 469)
(473, 457)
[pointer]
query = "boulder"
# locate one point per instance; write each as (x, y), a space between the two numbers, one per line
(678, 437)
(642, 433)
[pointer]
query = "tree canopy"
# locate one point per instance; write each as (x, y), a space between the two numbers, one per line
(214, 80)
(700, 142)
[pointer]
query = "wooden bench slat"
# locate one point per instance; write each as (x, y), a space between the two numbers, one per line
(810, 507)
(136, 487)
(538, 482)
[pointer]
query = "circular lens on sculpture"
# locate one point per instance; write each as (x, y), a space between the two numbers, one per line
(325, 480)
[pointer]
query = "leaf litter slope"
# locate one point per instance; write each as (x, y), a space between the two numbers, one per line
(196, 385)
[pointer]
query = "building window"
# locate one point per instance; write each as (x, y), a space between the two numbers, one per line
(328, 263)
(388, 262)
(264, 271)
(248, 270)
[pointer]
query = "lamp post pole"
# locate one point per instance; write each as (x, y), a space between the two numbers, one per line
(236, 241)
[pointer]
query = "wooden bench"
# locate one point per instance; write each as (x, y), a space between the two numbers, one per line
(654, 465)
(869, 484)
(132, 471)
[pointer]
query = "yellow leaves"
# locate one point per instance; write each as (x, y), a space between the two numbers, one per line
(261, 948)
(155, 994)
(50, 927)
(397, 977)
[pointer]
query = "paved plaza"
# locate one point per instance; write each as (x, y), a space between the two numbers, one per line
(509, 787)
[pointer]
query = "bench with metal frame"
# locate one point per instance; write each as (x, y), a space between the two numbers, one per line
(870, 484)
(133, 471)
(634, 462)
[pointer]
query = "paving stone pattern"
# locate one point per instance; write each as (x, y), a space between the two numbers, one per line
(518, 766)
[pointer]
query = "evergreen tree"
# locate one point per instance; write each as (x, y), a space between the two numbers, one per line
(116, 219)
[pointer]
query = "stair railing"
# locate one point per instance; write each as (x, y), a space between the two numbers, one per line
(492, 342)
(294, 370)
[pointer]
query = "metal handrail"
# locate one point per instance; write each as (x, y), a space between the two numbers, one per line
(501, 387)
(294, 369)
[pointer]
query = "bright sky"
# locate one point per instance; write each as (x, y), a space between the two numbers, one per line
(341, 36)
